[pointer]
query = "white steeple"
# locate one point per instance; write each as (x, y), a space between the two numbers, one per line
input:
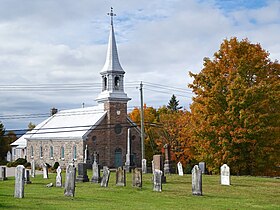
(112, 72)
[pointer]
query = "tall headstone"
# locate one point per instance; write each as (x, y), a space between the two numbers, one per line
(167, 167)
(82, 173)
(58, 180)
(180, 169)
(157, 180)
(158, 164)
(27, 177)
(196, 181)
(105, 177)
(45, 171)
(3, 173)
(225, 175)
(144, 166)
(19, 181)
(95, 173)
(137, 178)
(202, 166)
(120, 177)
(33, 168)
(153, 167)
(86, 155)
(9, 156)
(69, 189)
(128, 153)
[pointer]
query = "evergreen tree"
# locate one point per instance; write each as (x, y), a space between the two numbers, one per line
(173, 104)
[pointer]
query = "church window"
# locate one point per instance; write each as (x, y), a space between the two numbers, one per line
(94, 139)
(105, 83)
(118, 128)
(51, 152)
(117, 82)
(133, 137)
(62, 153)
(75, 152)
(31, 152)
(41, 152)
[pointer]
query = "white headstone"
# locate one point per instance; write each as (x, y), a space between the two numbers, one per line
(196, 181)
(69, 189)
(157, 180)
(45, 171)
(127, 157)
(180, 169)
(225, 175)
(105, 177)
(9, 156)
(153, 167)
(86, 154)
(144, 166)
(202, 166)
(32, 168)
(95, 173)
(19, 181)
(58, 182)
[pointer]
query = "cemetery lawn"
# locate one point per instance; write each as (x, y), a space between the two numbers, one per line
(245, 193)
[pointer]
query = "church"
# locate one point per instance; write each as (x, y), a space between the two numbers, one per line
(105, 129)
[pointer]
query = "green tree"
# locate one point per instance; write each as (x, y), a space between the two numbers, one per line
(173, 104)
(236, 109)
(31, 126)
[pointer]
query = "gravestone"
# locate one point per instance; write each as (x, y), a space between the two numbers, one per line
(95, 173)
(3, 175)
(86, 156)
(144, 166)
(19, 181)
(58, 180)
(105, 177)
(120, 177)
(69, 189)
(27, 177)
(128, 153)
(167, 167)
(202, 166)
(45, 171)
(153, 167)
(9, 156)
(157, 180)
(82, 173)
(158, 164)
(137, 178)
(225, 175)
(196, 181)
(180, 169)
(32, 168)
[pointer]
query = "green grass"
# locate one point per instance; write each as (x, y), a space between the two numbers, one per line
(244, 193)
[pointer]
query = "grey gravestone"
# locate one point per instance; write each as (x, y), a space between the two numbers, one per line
(58, 180)
(105, 177)
(225, 175)
(45, 171)
(180, 169)
(69, 189)
(167, 159)
(157, 180)
(158, 164)
(82, 173)
(120, 177)
(202, 166)
(144, 166)
(137, 178)
(86, 155)
(19, 181)
(95, 173)
(9, 156)
(32, 168)
(196, 181)
(153, 167)
(27, 177)
(3, 173)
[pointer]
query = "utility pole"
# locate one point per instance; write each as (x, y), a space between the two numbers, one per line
(142, 121)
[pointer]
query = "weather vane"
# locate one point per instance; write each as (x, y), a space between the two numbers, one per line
(112, 15)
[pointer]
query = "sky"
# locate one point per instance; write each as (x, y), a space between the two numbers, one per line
(52, 51)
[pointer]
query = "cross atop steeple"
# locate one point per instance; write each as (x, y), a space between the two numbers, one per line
(112, 14)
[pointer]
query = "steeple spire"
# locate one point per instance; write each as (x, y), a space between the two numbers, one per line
(112, 62)
(112, 72)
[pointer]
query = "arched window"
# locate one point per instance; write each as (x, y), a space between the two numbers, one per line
(31, 152)
(51, 152)
(41, 152)
(105, 83)
(75, 152)
(117, 82)
(62, 153)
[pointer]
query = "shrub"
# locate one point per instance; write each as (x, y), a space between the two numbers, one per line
(27, 165)
(21, 161)
(56, 164)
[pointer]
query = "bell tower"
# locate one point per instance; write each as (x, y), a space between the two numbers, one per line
(115, 102)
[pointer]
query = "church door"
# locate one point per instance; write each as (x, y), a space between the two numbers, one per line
(118, 157)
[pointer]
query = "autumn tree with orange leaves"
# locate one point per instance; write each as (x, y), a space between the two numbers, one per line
(236, 110)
